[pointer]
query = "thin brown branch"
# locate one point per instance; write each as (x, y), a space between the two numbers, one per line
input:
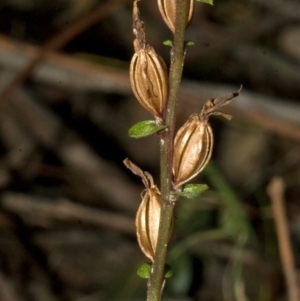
(289, 9)
(276, 193)
(62, 70)
(60, 40)
(36, 208)
(218, 38)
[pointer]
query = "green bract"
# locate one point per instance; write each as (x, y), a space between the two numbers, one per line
(168, 271)
(144, 128)
(211, 2)
(191, 191)
(189, 43)
(168, 43)
(144, 271)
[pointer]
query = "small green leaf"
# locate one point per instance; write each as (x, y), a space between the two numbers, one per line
(168, 43)
(189, 43)
(211, 2)
(144, 129)
(191, 191)
(144, 271)
(168, 271)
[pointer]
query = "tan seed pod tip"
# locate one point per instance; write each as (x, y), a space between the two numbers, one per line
(167, 9)
(148, 71)
(194, 141)
(148, 215)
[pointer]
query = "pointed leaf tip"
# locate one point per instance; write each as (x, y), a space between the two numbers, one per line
(168, 271)
(190, 43)
(168, 43)
(144, 128)
(192, 191)
(211, 2)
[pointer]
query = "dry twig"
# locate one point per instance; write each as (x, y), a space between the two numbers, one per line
(62, 209)
(60, 40)
(276, 191)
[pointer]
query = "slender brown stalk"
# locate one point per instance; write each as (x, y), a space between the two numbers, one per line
(166, 151)
(276, 193)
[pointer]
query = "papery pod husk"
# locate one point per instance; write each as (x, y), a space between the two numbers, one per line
(167, 9)
(194, 141)
(148, 215)
(147, 221)
(193, 146)
(149, 80)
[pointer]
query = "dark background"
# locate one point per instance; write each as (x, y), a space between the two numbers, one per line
(67, 203)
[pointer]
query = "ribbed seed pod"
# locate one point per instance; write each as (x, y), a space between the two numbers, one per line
(194, 141)
(147, 221)
(167, 9)
(193, 146)
(148, 214)
(149, 80)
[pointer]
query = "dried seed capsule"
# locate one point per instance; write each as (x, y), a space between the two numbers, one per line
(167, 9)
(148, 215)
(193, 146)
(147, 221)
(148, 72)
(194, 141)
(149, 80)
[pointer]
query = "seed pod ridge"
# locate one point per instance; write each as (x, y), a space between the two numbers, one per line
(149, 80)
(148, 72)
(147, 221)
(193, 146)
(194, 141)
(167, 9)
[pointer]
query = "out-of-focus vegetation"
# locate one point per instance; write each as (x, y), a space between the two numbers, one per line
(67, 204)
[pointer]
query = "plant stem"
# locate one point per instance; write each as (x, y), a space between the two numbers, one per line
(166, 155)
